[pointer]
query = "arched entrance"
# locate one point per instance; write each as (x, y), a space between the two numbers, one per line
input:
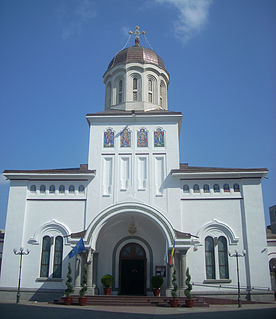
(132, 269)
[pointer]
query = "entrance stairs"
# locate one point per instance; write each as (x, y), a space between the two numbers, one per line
(136, 301)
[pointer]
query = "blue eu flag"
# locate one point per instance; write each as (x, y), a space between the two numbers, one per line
(77, 249)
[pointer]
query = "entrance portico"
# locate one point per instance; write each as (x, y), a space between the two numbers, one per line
(130, 242)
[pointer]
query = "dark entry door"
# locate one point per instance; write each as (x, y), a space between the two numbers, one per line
(132, 270)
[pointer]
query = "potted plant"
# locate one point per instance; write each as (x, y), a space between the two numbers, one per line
(69, 290)
(82, 298)
(189, 301)
(174, 301)
(107, 281)
(157, 283)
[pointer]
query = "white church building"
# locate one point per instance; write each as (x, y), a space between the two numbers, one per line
(132, 201)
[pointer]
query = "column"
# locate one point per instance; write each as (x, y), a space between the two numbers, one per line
(182, 272)
(169, 279)
(90, 285)
(78, 272)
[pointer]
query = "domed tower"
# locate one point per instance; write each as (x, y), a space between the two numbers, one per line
(136, 79)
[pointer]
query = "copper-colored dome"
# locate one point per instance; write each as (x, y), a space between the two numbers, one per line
(138, 54)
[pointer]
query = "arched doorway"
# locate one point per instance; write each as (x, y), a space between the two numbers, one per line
(133, 263)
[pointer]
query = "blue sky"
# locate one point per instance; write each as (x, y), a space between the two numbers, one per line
(220, 55)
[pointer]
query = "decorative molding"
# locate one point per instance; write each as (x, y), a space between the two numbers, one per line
(217, 228)
(50, 228)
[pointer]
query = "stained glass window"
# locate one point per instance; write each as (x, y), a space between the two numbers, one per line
(52, 189)
(108, 138)
(210, 258)
(58, 257)
(142, 138)
(206, 188)
(125, 138)
(226, 188)
(186, 189)
(236, 187)
(216, 188)
(45, 256)
(196, 188)
(159, 138)
(223, 258)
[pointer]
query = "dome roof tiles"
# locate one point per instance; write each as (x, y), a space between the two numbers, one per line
(138, 54)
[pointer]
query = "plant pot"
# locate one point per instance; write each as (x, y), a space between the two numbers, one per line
(174, 303)
(107, 291)
(189, 303)
(156, 292)
(82, 301)
(68, 301)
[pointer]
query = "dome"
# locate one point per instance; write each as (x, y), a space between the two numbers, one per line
(138, 54)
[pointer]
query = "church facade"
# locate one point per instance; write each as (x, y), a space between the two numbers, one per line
(133, 202)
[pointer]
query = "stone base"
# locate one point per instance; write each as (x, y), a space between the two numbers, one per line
(9, 294)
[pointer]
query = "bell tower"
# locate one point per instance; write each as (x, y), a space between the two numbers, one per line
(136, 79)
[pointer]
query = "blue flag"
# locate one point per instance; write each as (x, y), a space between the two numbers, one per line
(77, 249)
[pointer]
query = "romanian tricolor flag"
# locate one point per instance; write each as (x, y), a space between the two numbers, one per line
(171, 257)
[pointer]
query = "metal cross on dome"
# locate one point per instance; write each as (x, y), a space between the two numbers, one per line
(137, 33)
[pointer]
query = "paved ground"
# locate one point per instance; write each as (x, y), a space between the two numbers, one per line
(28, 310)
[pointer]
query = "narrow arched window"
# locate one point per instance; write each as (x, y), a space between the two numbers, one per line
(196, 188)
(52, 189)
(81, 189)
(71, 189)
(108, 95)
(210, 258)
(33, 188)
(216, 188)
(61, 189)
(236, 187)
(134, 89)
(162, 95)
(186, 189)
(120, 92)
(150, 99)
(226, 188)
(42, 188)
(45, 256)
(206, 188)
(58, 257)
(223, 258)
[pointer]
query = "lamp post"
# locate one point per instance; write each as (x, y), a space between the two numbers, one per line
(21, 252)
(237, 255)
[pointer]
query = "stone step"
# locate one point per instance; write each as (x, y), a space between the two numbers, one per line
(115, 300)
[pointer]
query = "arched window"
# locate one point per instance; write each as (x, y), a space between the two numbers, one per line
(196, 188)
(58, 257)
(236, 188)
(52, 189)
(223, 258)
(45, 256)
(120, 91)
(162, 95)
(186, 189)
(216, 188)
(210, 258)
(108, 95)
(150, 94)
(61, 189)
(134, 89)
(226, 188)
(33, 188)
(81, 189)
(71, 189)
(42, 188)
(206, 188)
